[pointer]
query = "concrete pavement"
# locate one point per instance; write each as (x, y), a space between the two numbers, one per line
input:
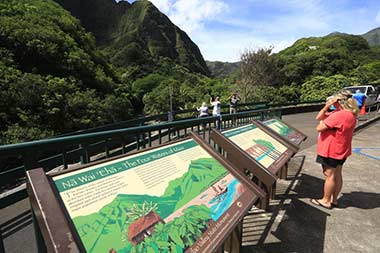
(293, 224)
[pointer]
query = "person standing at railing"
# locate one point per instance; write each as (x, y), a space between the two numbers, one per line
(216, 110)
(233, 99)
(336, 130)
(203, 112)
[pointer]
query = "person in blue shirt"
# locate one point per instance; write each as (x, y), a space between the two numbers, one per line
(360, 98)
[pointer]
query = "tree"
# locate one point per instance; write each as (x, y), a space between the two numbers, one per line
(320, 87)
(257, 68)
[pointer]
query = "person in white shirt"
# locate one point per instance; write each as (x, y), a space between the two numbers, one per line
(203, 110)
(216, 106)
(216, 111)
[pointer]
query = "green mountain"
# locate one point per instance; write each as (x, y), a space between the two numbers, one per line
(136, 33)
(108, 228)
(52, 74)
(222, 70)
(100, 17)
(325, 56)
(373, 37)
(317, 67)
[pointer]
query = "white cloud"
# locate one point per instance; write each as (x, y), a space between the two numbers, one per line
(191, 16)
(228, 45)
(378, 18)
(162, 5)
(222, 31)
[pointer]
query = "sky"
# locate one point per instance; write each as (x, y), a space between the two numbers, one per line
(224, 29)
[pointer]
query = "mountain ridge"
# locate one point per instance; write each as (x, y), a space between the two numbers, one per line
(373, 36)
(137, 32)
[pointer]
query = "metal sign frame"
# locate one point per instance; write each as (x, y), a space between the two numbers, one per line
(60, 234)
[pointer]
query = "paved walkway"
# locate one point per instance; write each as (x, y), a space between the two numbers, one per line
(293, 224)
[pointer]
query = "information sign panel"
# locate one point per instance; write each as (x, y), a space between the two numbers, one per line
(264, 148)
(180, 197)
(285, 130)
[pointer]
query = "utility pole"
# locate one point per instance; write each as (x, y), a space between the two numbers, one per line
(170, 113)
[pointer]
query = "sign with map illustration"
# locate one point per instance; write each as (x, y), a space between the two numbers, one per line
(266, 149)
(285, 130)
(175, 198)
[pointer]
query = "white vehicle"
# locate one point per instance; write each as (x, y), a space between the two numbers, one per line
(370, 92)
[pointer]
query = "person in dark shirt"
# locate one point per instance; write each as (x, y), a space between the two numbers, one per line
(234, 99)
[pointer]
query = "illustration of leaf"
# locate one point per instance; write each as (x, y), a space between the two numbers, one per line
(179, 249)
(149, 249)
(190, 227)
(177, 239)
(163, 244)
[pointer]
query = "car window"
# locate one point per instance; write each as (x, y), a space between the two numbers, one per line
(354, 89)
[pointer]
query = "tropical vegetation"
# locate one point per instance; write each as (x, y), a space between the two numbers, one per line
(70, 65)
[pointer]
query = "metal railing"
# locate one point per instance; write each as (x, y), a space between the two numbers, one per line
(106, 141)
(110, 140)
(83, 148)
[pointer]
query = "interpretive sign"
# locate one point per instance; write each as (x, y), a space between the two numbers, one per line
(181, 197)
(285, 130)
(268, 150)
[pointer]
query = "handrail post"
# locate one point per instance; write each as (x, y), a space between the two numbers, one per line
(64, 159)
(41, 247)
(84, 156)
(29, 161)
(2, 248)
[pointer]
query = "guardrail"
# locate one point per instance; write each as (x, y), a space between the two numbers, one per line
(83, 148)
(164, 117)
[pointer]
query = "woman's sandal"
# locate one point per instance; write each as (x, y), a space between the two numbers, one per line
(317, 203)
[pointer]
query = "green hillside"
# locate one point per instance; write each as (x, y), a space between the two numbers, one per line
(222, 70)
(136, 33)
(322, 65)
(53, 78)
(58, 80)
(100, 17)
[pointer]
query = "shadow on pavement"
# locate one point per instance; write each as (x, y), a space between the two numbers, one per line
(15, 224)
(362, 200)
(293, 225)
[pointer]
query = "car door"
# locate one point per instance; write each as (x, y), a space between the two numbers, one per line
(371, 96)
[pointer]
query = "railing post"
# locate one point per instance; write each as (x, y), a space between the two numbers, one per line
(64, 159)
(2, 247)
(29, 161)
(106, 149)
(41, 247)
(84, 157)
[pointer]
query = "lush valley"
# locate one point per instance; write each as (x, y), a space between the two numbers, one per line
(67, 65)
(53, 78)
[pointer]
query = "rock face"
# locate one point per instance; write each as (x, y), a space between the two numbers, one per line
(373, 37)
(136, 33)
